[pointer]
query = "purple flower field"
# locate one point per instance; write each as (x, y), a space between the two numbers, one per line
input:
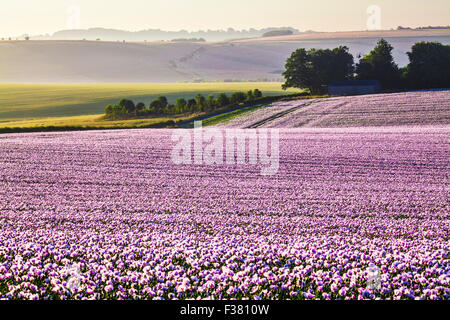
(107, 215)
(394, 109)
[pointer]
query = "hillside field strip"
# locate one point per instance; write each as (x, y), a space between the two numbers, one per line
(31, 105)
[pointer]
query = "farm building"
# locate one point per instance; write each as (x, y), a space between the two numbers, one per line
(353, 87)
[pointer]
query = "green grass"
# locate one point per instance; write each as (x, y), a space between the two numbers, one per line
(225, 117)
(36, 105)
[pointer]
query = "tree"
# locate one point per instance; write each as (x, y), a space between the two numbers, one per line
(211, 102)
(159, 105)
(429, 65)
(250, 96)
(109, 109)
(379, 65)
(171, 109)
(155, 107)
(118, 110)
(180, 105)
(191, 105)
(201, 102)
(140, 107)
(163, 102)
(257, 93)
(238, 97)
(127, 105)
(297, 72)
(222, 100)
(342, 66)
(314, 69)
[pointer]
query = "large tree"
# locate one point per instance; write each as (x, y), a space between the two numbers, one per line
(429, 65)
(379, 65)
(314, 69)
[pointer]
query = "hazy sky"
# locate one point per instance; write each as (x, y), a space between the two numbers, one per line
(47, 16)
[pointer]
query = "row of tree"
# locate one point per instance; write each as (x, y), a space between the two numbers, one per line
(428, 67)
(126, 108)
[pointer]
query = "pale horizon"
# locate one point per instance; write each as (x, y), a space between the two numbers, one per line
(19, 17)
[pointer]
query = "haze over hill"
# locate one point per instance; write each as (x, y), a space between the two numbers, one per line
(101, 61)
(157, 34)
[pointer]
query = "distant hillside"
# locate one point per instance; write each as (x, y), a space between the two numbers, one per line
(401, 33)
(101, 61)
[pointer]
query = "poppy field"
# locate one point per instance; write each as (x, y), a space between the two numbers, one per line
(107, 215)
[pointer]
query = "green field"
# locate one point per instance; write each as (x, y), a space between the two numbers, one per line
(225, 117)
(31, 105)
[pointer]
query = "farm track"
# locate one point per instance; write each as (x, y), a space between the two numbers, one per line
(309, 120)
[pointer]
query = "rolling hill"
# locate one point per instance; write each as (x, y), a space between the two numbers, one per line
(134, 62)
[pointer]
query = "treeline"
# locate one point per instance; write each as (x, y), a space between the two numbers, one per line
(126, 108)
(158, 35)
(188, 40)
(428, 67)
(276, 33)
